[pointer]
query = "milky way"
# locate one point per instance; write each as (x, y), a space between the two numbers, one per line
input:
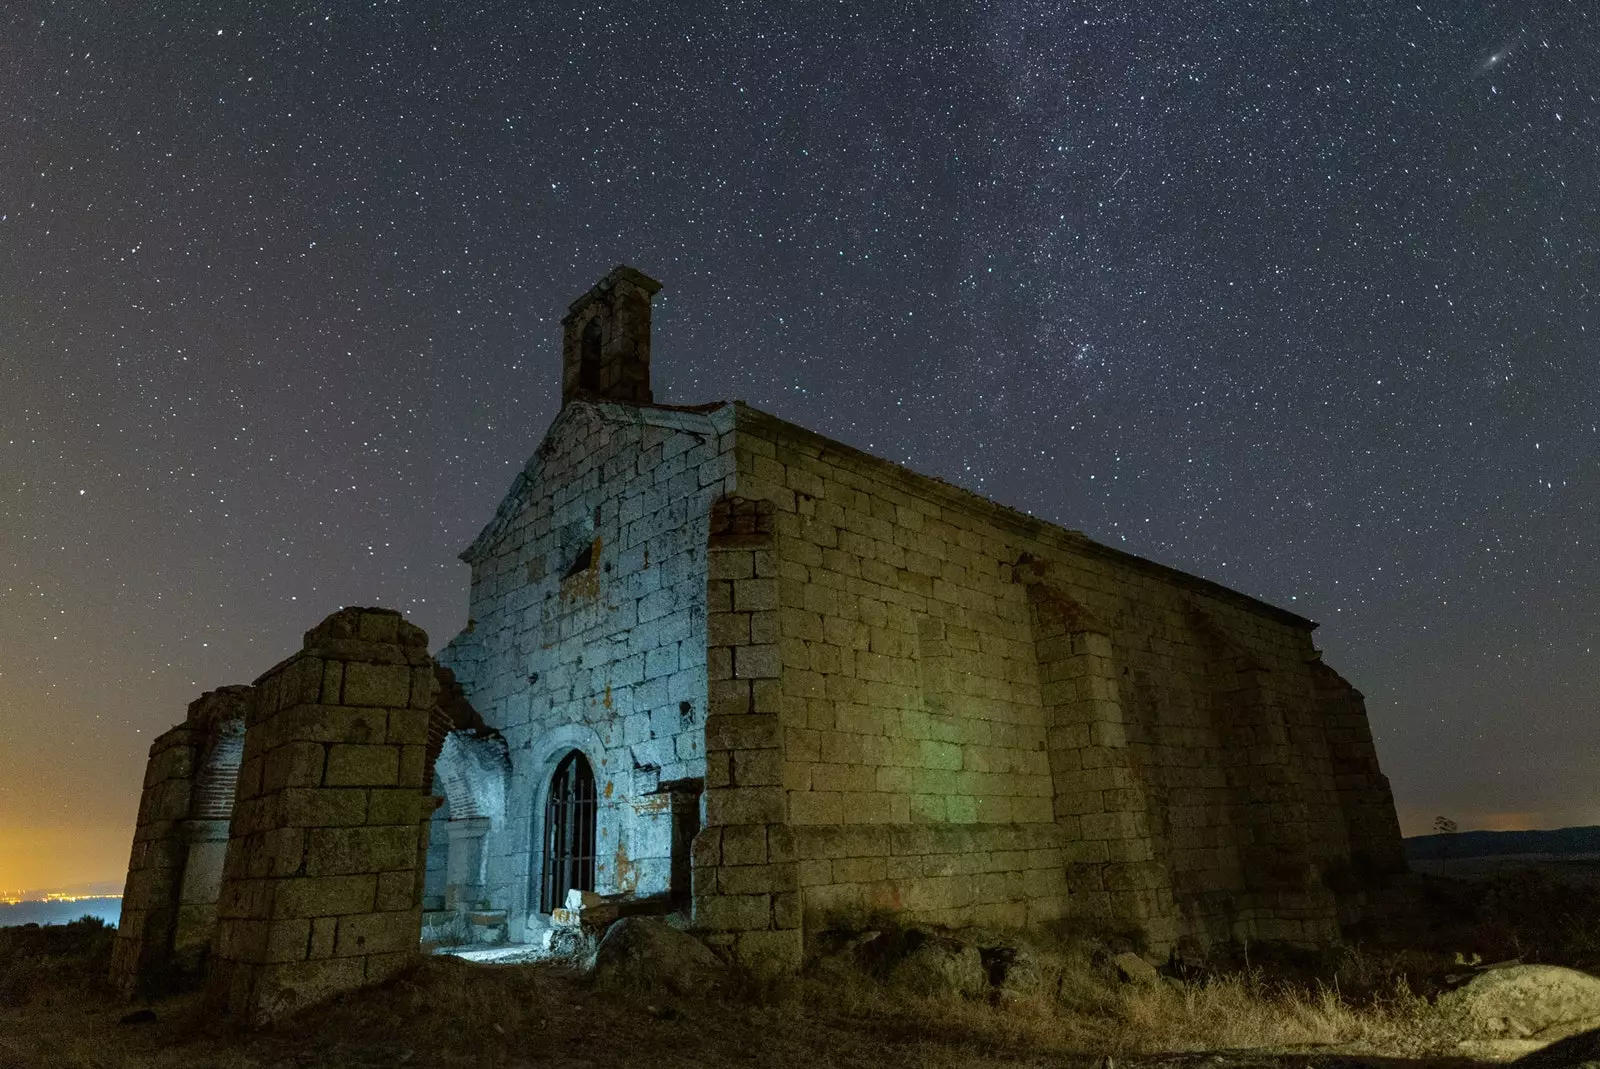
(1298, 298)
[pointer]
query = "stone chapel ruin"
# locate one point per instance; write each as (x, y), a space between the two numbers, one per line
(722, 668)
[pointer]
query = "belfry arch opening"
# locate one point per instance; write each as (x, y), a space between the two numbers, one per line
(569, 832)
(589, 358)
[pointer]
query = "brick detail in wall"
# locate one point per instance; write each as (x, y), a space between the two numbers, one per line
(1100, 798)
(1284, 897)
(913, 690)
(746, 894)
(958, 875)
(322, 887)
(169, 899)
(1363, 789)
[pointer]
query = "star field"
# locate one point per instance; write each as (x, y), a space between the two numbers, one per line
(1301, 298)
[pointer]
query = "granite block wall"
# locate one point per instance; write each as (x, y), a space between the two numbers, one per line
(588, 631)
(949, 663)
(746, 889)
(322, 883)
(174, 869)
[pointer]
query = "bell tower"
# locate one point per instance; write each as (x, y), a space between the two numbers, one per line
(605, 341)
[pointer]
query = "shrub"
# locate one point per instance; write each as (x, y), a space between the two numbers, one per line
(47, 964)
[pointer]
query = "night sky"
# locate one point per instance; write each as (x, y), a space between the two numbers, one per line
(1300, 297)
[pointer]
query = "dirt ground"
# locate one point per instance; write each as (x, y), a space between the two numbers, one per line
(1369, 1003)
(454, 1014)
(450, 1013)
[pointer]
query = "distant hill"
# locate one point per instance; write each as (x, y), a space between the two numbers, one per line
(1557, 841)
(58, 912)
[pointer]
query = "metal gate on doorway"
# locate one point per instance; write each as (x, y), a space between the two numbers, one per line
(569, 832)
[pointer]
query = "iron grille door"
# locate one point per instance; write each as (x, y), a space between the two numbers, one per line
(569, 832)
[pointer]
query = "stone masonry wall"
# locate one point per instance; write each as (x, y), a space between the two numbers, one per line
(1172, 749)
(322, 884)
(155, 869)
(174, 871)
(746, 894)
(1363, 790)
(587, 632)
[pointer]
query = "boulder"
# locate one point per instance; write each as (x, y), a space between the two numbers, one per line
(646, 953)
(571, 944)
(936, 965)
(1135, 970)
(1020, 973)
(1523, 1001)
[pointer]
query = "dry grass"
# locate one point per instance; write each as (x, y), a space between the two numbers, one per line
(1369, 1000)
(1092, 1011)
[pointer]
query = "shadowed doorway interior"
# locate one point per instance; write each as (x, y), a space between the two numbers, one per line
(569, 832)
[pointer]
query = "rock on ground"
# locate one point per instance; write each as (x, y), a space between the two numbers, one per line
(1522, 1001)
(935, 965)
(1135, 970)
(646, 953)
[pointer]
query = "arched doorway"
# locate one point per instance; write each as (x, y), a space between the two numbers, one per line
(569, 832)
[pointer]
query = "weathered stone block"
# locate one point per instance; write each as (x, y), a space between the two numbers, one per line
(757, 662)
(320, 807)
(362, 766)
(396, 891)
(748, 732)
(287, 939)
(295, 764)
(408, 726)
(413, 766)
(815, 807)
(755, 595)
(332, 692)
(323, 930)
(769, 952)
(377, 684)
(732, 912)
(729, 697)
(757, 768)
(328, 723)
(281, 851)
(746, 805)
(402, 805)
(378, 627)
(744, 845)
(324, 896)
(756, 879)
(378, 933)
(340, 851)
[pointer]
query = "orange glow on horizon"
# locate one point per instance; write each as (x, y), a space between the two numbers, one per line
(61, 857)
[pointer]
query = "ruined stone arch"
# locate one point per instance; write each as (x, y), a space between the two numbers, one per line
(470, 777)
(469, 768)
(472, 770)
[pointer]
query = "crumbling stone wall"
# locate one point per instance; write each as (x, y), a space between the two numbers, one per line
(949, 663)
(322, 884)
(1362, 789)
(175, 870)
(587, 632)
